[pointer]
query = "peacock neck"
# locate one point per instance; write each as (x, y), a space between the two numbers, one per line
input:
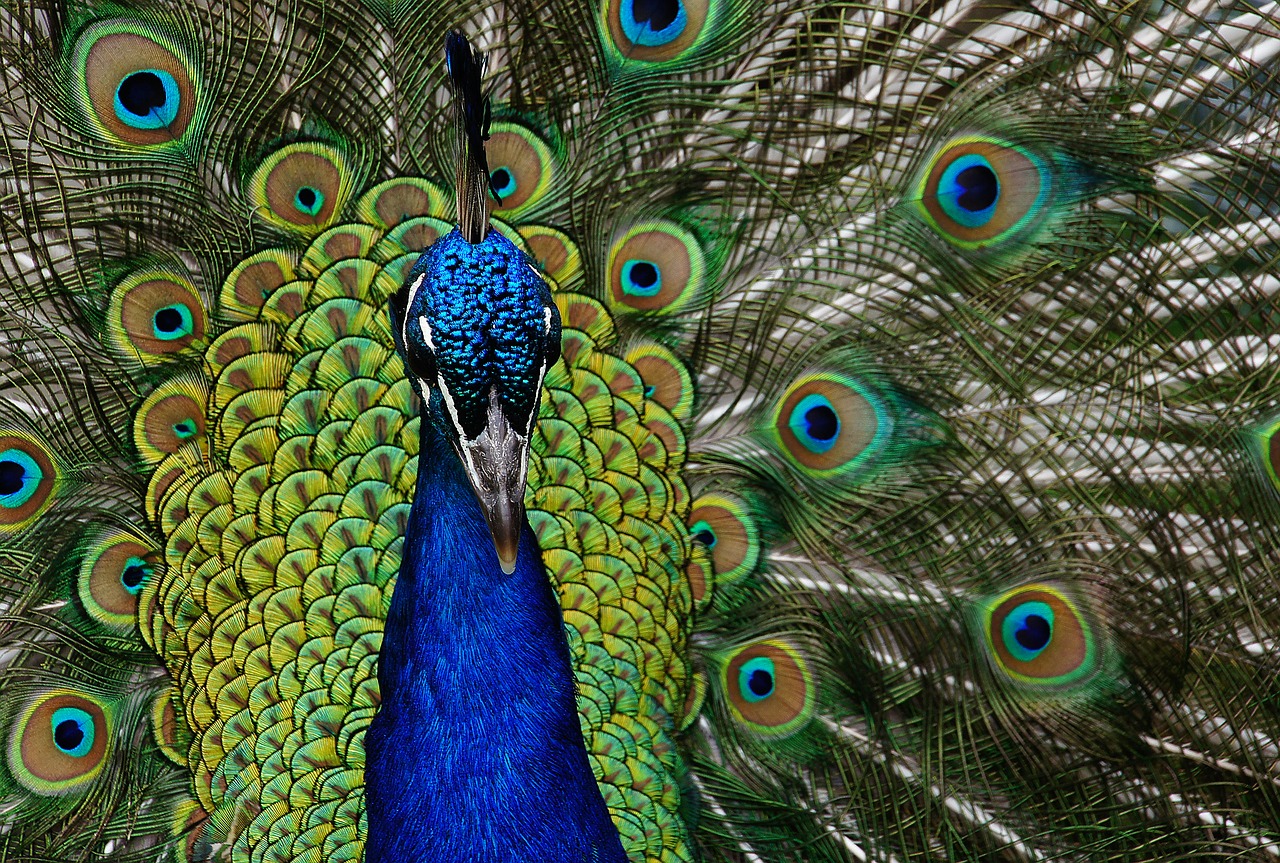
(476, 752)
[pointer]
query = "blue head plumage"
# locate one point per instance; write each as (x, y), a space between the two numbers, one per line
(477, 328)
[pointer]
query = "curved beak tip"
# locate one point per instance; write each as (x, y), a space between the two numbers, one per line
(505, 520)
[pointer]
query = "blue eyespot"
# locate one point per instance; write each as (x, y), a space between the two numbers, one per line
(308, 200)
(147, 99)
(73, 731)
(757, 678)
(653, 22)
(815, 423)
(134, 575)
(172, 322)
(704, 533)
(1028, 630)
(184, 429)
(969, 190)
(20, 477)
(504, 182)
(641, 278)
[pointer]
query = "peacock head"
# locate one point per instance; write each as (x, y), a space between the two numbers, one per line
(477, 328)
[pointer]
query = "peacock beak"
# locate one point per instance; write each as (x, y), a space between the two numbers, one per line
(497, 465)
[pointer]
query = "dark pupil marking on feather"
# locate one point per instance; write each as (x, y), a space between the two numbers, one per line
(133, 575)
(184, 429)
(649, 390)
(706, 536)
(821, 422)
(68, 735)
(1034, 633)
(168, 320)
(307, 197)
(760, 682)
(12, 477)
(142, 92)
(979, 188)
(501, 178)
(644, 274)
(658, 13)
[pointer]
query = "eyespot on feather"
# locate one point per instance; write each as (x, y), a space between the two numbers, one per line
(301, 187)
(978, 191)
(1039, 635)
(656, 267)
(725, 527)
(136, 87)
(521, 167)
(28, 479)
(666, 379)
(113, 570)
(829, 422)
(60, 742)
(654, 31)
(154, 314)
(170, 417)
(769, 687)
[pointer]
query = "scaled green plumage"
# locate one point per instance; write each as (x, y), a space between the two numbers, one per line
(896, 513)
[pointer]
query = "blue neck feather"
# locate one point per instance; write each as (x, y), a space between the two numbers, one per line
(476, 753)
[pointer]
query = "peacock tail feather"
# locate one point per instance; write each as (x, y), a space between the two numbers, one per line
(911, 480)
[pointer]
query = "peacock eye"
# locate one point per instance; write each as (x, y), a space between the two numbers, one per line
(653, 22)
(172, 322)
(703, 533)
(655, 30)
(136, 86)
(1039, 635)
(28, 480)
(171, 415)
(726, 527)
(308, 200)
(73, 731)
(154, 313)
(830, 422)
(112, 573)
(148, 99)
(301, 187)
(20, 477)
(769, 687)
(657, 267)
(978, 191)
(504, 181)
(641, 278)
(522, 167)
(815, 423)
(756, 679)
(61, 742)
(1027, 630)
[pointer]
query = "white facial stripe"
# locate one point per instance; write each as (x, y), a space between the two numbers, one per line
(450, 408)
(546, 322)
(426, 331)
(413, 295)
(423, 390)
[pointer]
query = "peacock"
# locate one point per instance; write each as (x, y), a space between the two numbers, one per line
(645, 430)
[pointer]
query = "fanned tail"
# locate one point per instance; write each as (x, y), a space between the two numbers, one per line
(911, 481)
